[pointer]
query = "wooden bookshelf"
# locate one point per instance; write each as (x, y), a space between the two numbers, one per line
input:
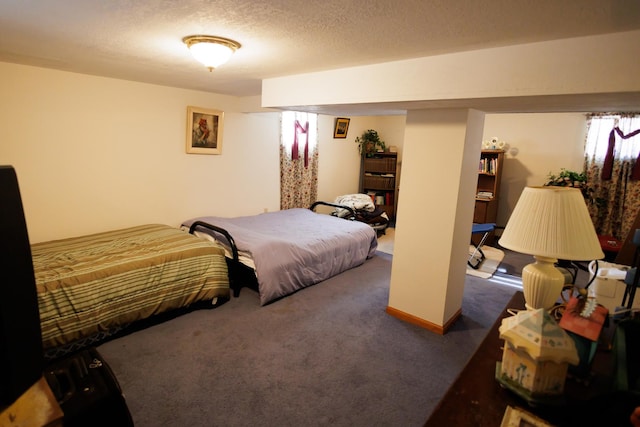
(488, 187)
(378, 179)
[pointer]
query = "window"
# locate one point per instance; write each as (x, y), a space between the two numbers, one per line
(294, 128)
(600, 128)
(298, 159)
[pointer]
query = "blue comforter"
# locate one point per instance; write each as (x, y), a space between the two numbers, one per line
(296, 248)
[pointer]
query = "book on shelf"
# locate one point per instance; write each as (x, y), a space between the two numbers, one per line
(484, 195)
(388, 198)
(488, 166)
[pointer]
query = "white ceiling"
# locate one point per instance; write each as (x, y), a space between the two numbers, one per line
(141, 40)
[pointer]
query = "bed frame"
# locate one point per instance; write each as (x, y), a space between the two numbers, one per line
(358, 215)
(240, 275)
(352, 213)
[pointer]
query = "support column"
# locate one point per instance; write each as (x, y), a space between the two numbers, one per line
(434, 216)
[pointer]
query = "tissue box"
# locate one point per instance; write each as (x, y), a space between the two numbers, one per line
(609, 288)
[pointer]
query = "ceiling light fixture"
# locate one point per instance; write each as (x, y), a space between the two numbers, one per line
(210, 50)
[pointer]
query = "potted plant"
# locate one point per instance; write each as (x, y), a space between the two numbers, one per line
(369, 143)
(568, 178)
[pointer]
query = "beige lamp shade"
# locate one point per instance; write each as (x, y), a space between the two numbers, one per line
(552, 222)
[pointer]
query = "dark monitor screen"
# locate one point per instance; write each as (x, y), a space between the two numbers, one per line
(21, 354)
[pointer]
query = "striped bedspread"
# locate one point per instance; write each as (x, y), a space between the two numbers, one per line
(93, 283)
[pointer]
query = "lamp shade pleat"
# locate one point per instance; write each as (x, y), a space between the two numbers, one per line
(553, 222)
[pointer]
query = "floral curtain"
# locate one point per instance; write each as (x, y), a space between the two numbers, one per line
(611, 154)
(298, 159)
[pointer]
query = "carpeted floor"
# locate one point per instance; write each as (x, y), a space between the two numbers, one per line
(327, 355)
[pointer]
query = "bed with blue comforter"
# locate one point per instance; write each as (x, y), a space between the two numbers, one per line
(285, 251)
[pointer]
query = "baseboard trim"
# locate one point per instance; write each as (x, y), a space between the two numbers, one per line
(414, 320)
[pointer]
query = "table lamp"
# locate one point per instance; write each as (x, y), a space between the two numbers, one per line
(550, 223)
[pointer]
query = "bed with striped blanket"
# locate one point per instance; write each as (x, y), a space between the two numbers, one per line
(95, 283)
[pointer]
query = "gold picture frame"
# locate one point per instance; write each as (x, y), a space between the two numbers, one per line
(341, 128)
(204, 130)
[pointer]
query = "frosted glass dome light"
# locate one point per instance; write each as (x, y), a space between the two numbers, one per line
(211, 51)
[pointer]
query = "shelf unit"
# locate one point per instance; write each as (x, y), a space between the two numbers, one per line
(488, 187)
(378, 179)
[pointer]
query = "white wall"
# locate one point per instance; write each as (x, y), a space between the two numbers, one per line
(339, 164)
(538, 144)
(504, 76)
(93, 153)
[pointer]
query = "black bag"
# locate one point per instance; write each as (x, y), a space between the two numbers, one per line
(88, 391)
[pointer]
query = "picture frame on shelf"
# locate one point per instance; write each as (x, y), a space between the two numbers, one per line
(341, 127)
(204, 130)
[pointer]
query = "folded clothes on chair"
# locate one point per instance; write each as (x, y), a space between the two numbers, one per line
(377, 217)
(357, 202)
(366, 211)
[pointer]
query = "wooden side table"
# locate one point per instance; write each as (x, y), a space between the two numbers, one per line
(477, 399)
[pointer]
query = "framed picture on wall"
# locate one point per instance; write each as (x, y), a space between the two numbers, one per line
(342, 126)
(204, 130)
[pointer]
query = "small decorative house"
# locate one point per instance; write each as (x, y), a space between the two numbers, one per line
(536, 356)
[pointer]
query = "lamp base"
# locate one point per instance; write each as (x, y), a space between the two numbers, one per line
(542, 283)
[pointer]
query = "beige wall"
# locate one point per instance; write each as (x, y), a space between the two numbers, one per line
(94, 153)
(538, 144)
(339, 166)
(508, 76)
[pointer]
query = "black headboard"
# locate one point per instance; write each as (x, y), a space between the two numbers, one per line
(21, 355)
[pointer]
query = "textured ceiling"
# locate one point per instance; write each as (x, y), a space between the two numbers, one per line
(140, 40)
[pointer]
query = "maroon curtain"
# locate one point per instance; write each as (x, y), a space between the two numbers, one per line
(298, 128)
(607, 166)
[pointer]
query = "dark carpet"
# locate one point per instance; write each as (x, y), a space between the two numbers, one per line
(327, 355)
